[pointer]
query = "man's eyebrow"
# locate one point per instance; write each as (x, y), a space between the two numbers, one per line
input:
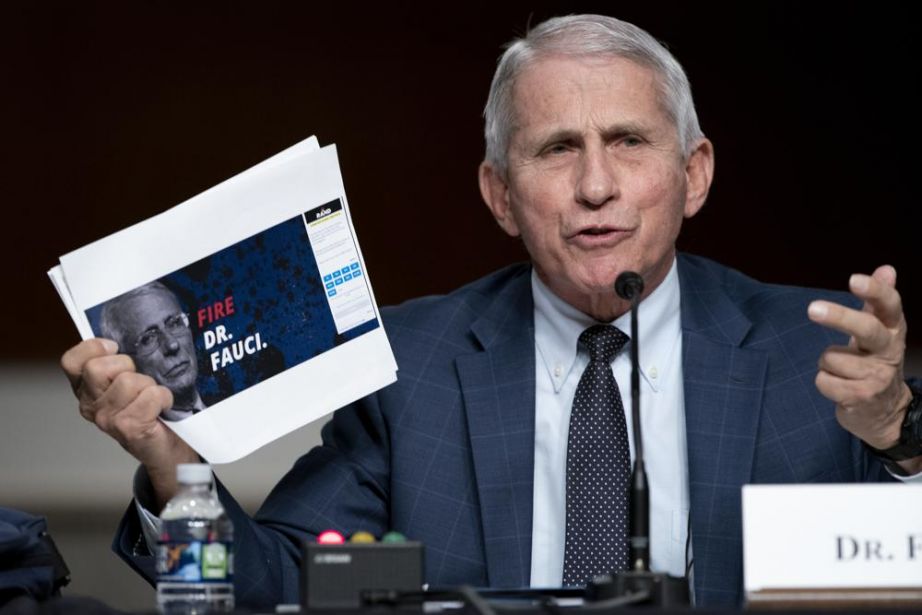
(621, 129)
(564, 135)
(609, 133)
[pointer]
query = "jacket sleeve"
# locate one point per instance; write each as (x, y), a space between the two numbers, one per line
(342, 484)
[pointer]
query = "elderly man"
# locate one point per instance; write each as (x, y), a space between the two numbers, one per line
(504, 445)
(149, 325)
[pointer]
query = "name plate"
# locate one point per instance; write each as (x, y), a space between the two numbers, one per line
(802, 538)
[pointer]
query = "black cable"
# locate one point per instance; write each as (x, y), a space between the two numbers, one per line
(614, 603)
(475, 600)
(550, 605)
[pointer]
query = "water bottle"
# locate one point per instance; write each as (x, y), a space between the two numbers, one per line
(195, 549)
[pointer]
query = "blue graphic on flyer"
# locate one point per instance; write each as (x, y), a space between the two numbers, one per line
(241, 315)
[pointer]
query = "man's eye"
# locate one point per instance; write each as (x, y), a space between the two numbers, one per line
(556, 149)
(176, 322)
(147, 339)
(631, 141)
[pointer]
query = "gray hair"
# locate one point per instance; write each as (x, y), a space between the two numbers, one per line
(110, 325)
(586, 35)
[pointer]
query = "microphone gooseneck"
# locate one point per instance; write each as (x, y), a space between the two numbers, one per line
(629, 286)
(638, 584)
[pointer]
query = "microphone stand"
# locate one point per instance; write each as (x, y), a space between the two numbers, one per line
(639, 584)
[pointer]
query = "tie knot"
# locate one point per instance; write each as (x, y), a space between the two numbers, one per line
(603, 342)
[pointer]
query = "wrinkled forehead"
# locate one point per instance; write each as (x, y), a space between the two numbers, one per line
(541, 72)
(146, 310)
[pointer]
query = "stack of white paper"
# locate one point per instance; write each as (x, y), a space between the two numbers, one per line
(250, 301)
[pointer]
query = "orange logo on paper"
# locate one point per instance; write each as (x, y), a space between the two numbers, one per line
(174, 555)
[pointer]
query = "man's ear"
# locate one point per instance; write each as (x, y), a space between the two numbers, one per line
(495, 192)
(699, 172)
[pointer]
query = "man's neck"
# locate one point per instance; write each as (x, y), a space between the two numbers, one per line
(606, 307)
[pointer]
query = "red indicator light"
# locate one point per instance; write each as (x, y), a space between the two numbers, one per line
(330, 537)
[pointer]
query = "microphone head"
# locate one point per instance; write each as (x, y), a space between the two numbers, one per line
(629, 285)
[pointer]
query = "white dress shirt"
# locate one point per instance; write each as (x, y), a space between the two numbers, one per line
(558, 367)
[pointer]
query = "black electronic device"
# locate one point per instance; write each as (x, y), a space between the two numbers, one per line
(334, 576)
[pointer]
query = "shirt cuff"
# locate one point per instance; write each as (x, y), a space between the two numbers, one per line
(896, 472)
(143, 493)
(150, 523)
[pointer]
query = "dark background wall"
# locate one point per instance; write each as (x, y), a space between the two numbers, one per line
(115, 112)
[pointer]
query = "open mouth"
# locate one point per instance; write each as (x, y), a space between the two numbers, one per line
(599, 236)
(601, 230)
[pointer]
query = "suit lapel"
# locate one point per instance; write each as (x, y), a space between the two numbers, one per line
(498, 386)
(723, 396)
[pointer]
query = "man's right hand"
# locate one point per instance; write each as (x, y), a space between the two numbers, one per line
(126, 405)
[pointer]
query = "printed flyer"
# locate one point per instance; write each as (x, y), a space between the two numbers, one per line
(259, 323)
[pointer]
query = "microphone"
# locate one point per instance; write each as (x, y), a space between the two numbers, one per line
(629, 286)
(637, 584)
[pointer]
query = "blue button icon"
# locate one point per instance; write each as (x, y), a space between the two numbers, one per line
(339, 281)
(336, 273)
(330, 293)
(327, 277)
(329, 284)
(345, 270)
(354, 266)
(356, 274)
(348, 276)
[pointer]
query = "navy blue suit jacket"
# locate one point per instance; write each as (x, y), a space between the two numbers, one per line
(446, 454)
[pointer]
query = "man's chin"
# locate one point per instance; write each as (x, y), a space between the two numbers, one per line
(181, 386)
(598, 283)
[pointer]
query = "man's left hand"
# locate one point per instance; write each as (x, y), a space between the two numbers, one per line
(865, 378)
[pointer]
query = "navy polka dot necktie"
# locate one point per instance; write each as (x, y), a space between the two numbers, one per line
(598, 465)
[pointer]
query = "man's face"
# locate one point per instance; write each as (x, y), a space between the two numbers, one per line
(160, 345)
(597, 183)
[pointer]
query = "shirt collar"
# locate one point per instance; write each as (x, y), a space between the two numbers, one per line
(558, 326)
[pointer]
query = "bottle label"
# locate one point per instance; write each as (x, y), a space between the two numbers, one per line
(195, 562)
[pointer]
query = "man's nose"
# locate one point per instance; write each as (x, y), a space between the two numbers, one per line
(169, 344)
(596, 184)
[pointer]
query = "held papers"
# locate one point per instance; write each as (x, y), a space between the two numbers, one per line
(261, 317)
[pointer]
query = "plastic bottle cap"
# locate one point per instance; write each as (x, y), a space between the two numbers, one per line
(330, 537)
(393, 537)
(193, 473)
(362, 537)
